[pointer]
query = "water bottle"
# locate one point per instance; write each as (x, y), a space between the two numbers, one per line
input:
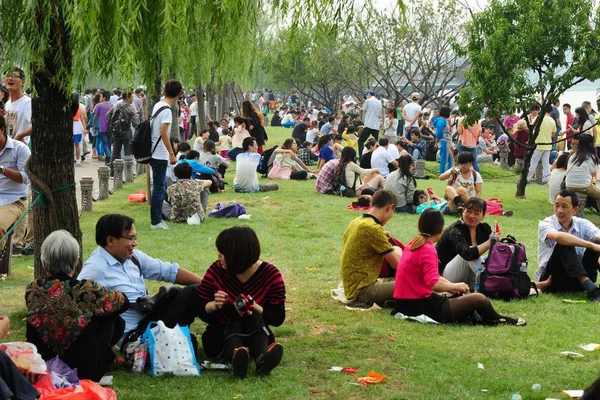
(139, 359)
(523, 267)
(477, 285)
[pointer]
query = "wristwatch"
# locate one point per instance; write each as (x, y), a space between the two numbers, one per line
(2, 169)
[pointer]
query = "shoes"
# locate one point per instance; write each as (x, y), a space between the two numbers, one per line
(239, 362)
(17, 250)
(160, 226)
(101, 158)
(511, 321)
(78, 163)
(28, 250)
(595, 295)
(266, 362)
(508, 213)
(461, 208)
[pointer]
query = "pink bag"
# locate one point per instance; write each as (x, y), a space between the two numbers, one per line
(494, 206)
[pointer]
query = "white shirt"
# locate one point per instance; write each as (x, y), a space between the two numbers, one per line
(18, 116)
(113, 99)
(411, 109)
(556, 178)
(165, 117)
(311, 135)
(380, 160)
(289, 117)
(580, 176)
(582, 228)
(390, 127)
(393, 150)
(372, 113)
(194, 109)
(246, 180)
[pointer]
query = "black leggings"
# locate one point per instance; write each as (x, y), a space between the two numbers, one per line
(250, 332)
(299, 175)
(460, 308)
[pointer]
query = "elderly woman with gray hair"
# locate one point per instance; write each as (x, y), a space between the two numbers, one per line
(78, 321)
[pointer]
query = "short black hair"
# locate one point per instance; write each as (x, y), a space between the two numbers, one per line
(112, 225)
(192, 155)
(465, 157)
(20, 71)
(384, 198)
(384, 141)
(415, 131)
(563, 160)
(184, 146)
(238, 119)
(476, 204)
(331, 118)
(240, 248)
(247, 142)
(173, 88)
(567, 105)
(548, 108)
(183, 171)
(370, 143)
(567, 193)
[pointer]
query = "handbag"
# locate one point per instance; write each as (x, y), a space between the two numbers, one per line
(170, 350)
(493, 206)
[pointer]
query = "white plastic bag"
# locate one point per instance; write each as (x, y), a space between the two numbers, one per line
(194, 219)
(170, 350)
(25, 356)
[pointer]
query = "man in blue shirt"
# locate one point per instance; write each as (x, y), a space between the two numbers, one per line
(192, 158)
(442, 137)
(117, 265)
(13, 180)
(326, 128)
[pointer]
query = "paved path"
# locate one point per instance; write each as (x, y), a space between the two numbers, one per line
(89, 168)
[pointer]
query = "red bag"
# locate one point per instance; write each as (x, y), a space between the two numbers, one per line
(386, 269)
(494, 206)
(137, 197)
(86, 390)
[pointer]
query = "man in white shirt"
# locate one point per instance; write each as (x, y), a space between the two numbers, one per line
(246, 180)
(115, 96)
(162, 153)
(372, 113)
(382, 157)
(411, 114)
(562, 238)
(137, 103)
(193, 115)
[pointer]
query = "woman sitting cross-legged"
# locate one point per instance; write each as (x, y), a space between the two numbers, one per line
(239, 298)
(78, 321)
(403, 183)
(355, 177)
(418, 280)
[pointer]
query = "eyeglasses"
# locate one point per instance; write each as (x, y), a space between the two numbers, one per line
(13, 76)
(130, 238)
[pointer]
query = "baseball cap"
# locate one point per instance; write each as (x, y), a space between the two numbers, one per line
(371, 92)
(415, 96)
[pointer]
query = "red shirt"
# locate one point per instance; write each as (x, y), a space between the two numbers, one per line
(417, 273)
(570, 119)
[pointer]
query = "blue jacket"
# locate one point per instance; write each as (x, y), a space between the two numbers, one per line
(198, 168)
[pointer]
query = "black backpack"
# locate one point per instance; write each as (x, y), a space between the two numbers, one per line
(338, 185)
(141, 144)
(119, 124)
(266, 161)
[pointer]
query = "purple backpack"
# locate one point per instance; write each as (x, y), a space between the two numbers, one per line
(505, 271)
(229, 210)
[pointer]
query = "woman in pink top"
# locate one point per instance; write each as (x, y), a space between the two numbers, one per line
(468, 138)
(418, 280)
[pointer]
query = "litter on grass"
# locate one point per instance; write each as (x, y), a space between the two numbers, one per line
(245, 216)
(107, 380)
(574, 394)
(571, 354)
(335, 369)
(371, 379)
(590, 346)
(374, 307)
(214, 366)
(569, 301)
(424, 319)
(480, 366)
(350, 371)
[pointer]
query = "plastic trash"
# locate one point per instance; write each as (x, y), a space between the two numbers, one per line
(480, 366)
(245, 216)
(516, 396)
(107, 380)
(335, 369)
(571, 354)
(194, 219)
(590, 346)
(371, 378)
(574, 394)
(536, 387)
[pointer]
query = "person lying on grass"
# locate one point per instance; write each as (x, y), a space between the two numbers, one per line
(428, 199)
(366, 245)
(239, 298)
(418, 280)
(564, 266)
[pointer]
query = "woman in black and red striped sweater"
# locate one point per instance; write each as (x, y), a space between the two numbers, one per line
(240, 297)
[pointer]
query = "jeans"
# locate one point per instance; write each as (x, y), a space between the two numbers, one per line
(416, 154)
(445, 156)
(233, 153)
(103, 137)
(472, 150)
(120, 144)
(159, 185)
(288, 124)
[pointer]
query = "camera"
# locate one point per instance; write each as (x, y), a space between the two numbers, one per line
(244, 304)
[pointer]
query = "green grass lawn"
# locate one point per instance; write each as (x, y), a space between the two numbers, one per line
(301, 233)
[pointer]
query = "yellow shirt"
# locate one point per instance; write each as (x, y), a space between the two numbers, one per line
(351, 139)
(547, 130)
(365, 244)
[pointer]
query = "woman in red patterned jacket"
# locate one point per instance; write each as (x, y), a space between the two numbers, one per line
(240, 297)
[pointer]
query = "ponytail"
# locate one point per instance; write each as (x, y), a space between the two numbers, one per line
(431, 222)
(419, 241)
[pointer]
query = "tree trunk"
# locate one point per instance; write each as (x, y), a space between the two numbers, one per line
(210, 103)
(154, 96)
(522, 184)
(51, 163)
(201, 108)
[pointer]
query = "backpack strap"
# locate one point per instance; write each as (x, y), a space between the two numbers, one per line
(137, 264)
(159, 138)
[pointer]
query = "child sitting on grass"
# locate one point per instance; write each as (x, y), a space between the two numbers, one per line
(224, 143)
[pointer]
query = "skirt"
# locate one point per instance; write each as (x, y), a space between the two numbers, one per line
(435, 307)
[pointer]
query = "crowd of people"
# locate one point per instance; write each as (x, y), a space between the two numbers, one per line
(435, 274)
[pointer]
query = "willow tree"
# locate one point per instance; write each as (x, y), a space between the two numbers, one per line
(62, 41)
(525, 52)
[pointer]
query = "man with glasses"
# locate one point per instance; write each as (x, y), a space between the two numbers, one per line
(117, 265)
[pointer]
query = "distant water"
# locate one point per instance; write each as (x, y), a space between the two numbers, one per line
(576, 96)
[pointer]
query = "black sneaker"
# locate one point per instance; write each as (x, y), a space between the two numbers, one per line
(266, 362)
(508, 213)
(17, 251)
(28, 250)
(239, 362)
(594, 295)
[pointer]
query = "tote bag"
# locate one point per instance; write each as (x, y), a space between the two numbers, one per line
(170, 350)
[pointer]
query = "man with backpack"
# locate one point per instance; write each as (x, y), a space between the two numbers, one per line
(122, 117)
(245, 180)
(568, 250)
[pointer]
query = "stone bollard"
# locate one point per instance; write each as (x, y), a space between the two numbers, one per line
(582, 197)
(118, 173)
(87, 186)
(420, 168)
(504, 159)
(539, 171)
(103, 175)
(140, 169)
(128, 171)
